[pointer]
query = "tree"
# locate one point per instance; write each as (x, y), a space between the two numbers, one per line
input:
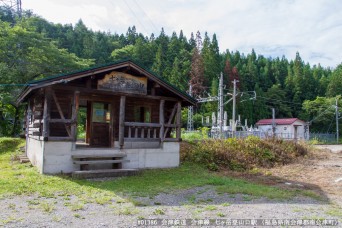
(197, 73)
(126, 52)
(275, 98)
(335, 85)
(197, 68)
(321, 113)
(211, 59)
(27, 55)
(160, 62)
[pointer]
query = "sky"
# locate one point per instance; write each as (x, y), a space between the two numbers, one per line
(274, 28)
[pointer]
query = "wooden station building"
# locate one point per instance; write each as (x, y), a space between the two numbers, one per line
(130, 116)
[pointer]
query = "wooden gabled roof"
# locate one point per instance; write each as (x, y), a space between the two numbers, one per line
(64, 78)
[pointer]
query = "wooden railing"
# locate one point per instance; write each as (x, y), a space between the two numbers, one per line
(142, 130)
(149, 131)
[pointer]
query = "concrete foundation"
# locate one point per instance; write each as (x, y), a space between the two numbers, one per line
(34, 152)
(56, 157)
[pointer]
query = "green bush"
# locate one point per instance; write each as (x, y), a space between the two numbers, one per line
(9, 144)
(241, 154)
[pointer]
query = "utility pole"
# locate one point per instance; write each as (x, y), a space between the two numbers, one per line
(14, 5)
(273, 122)
(234, 106)
(190, 125)
(337, 136)
(220, 108)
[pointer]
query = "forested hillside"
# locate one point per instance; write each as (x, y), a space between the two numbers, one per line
(32, 48)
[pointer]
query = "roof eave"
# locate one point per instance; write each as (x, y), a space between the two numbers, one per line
(96, 70)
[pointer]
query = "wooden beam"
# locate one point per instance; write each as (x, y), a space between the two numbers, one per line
(142, 140)
(161, 119)
(88, 124)
(172, 140)
(55, 138)
(122, 121)
(137, 124)
(65, 121)
(171, 125)
(170, 119)
(75, 106)
(179, 120)
(90, 91)
(60, 111)
(111, 126)
(46, 113)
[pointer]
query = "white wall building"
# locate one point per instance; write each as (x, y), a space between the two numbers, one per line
(288, 128)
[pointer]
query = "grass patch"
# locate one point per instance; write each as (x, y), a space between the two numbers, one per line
(127, 211)
(77, 206)
(47, 207)
(11, 206)
(78, 216)
(335, 212)
(10, 144)
(159, 212)
(211, 208)
(21, 179)
(220, 214)
(236, 186)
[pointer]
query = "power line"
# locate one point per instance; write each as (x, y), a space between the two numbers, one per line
(281, 101)
(155, 28)
(137, 18)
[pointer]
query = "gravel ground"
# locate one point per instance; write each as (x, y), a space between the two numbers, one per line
(196, 203)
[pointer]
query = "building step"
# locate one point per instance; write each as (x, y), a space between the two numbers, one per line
(115, 155)
(23, 159)
(86, 174)
(99, 162)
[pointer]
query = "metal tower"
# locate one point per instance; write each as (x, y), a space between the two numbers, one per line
(13, 5)
(190, 125)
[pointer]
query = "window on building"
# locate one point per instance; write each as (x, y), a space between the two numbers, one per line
(101, 112)
(142, 114)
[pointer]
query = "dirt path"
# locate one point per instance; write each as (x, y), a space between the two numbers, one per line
(319, 173)
(323, 173)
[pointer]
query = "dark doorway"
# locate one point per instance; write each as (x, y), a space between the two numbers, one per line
(100, 135)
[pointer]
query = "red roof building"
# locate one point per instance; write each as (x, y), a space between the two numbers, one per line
(285, 121)
(286, 128)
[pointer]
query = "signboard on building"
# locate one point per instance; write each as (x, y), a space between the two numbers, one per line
(125, 83)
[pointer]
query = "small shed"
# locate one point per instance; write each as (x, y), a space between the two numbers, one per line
(130, 116)
(287, 128)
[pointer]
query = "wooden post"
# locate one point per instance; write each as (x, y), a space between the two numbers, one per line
(60, 112)
(46, 114)
(111, 126)
(122, 121)
(179, 120)
(75, 106)
(161, 119)
(88, 123)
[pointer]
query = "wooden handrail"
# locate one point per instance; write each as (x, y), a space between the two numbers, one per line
(139, 124)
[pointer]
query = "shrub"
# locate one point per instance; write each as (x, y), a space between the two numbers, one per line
(9, 144)
(241, 154)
